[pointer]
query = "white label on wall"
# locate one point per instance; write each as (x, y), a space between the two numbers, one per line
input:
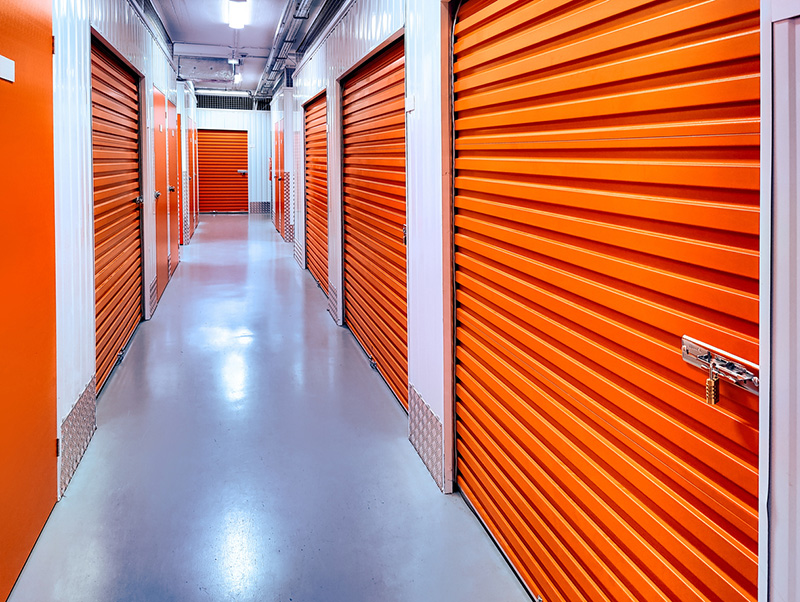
(6, 69)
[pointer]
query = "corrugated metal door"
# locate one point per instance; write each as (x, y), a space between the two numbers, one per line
(607, 203)
(117, 207)
(375, 214)
(222, 165)
(316, 187)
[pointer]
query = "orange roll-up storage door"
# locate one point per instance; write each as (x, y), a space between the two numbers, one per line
(375, 214)
(316, 188)
(221, 159)
(606, 204)
(117, 203)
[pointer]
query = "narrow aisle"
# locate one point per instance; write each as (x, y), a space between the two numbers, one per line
(246, 451)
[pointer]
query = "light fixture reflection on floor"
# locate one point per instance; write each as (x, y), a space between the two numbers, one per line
(238, 13)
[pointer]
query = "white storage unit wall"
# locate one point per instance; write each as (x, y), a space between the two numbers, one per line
(780, 505)
(119, 25)
(187, 108)
(361, 28)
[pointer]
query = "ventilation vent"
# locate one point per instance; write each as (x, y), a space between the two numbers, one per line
(241, 103)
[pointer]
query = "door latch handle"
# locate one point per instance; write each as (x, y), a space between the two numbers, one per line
(158, 193)
(172, 189)
(720, 365)
(139, 200)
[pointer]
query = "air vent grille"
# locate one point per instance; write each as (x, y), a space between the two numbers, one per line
(241, 103)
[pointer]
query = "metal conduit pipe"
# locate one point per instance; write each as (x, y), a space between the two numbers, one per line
(292, 17)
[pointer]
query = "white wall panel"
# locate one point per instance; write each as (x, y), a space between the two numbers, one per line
(187, 108)
(428, 292)
(257, 125)
(258, 157)
(784, 469)
(74, 218)
(361, 28)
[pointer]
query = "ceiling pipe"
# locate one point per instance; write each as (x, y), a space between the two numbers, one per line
(277, 41)
(292, 17)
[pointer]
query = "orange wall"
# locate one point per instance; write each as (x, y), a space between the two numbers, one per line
(27, 272)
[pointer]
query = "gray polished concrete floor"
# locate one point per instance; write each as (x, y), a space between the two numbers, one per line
(246, 451)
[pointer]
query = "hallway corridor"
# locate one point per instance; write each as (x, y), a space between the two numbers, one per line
(246, 451)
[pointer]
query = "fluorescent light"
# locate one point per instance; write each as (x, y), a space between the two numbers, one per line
(238, 13)
(233, 61)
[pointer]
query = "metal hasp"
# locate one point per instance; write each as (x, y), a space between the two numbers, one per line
(242, 171)
(721, 364)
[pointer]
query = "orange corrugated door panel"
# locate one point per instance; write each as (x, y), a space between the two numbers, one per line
(316, 186)
(28, 418)
(606, 204)
(222, 167)
(162, 197)
(375, 214)
(278, 179)
(117, 207)
(173, 185)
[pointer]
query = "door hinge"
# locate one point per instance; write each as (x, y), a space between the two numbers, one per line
(58, 447)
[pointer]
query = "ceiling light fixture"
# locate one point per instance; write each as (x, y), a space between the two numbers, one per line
(238, 13)
(233, 61)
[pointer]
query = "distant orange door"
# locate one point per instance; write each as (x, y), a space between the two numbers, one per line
(174, 186)
(278, 175)
(162, 196)
(28, 481)
(222, 165)
(606, 205)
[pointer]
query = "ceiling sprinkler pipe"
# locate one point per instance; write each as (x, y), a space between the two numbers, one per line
(277, 41)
